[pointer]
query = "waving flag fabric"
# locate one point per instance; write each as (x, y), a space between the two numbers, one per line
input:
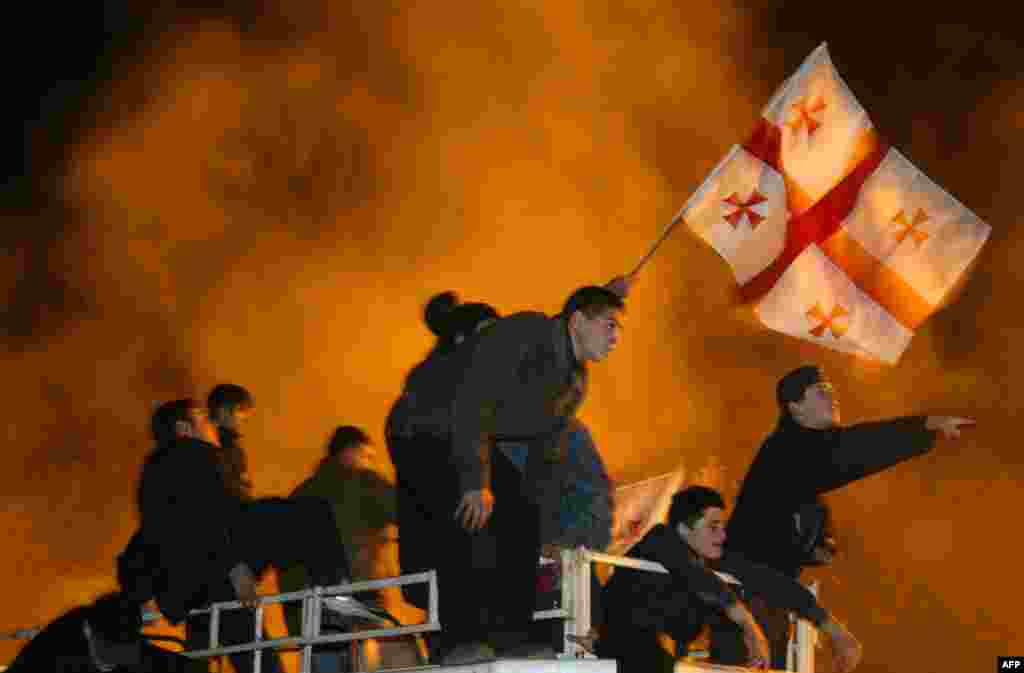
(834, 236)
(641, 505)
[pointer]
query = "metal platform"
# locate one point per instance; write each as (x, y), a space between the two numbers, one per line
(535, 666)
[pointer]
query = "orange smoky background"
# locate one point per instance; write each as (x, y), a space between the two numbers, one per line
(268, 194)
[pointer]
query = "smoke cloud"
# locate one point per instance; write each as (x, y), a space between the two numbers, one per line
(269, 196)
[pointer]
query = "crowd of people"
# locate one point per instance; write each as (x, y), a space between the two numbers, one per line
(493, 470)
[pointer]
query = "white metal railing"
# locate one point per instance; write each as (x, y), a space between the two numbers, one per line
(574, 609)
(312, 610)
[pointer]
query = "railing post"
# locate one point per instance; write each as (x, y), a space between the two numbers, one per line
(311, 625)
(576, 594)
(258, 654)
(806, 639)
(215, 632)
(433, 599)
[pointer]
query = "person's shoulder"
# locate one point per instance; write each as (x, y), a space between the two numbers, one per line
(62, 634)
(524, 325)
(517, 331)
(325, 481)
(157, 457)
(524, 320)
(652, 541)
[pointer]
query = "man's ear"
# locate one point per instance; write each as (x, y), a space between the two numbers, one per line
(683, 530)
(794, 409)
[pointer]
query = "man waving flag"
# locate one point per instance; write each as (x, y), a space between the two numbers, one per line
(832, 235)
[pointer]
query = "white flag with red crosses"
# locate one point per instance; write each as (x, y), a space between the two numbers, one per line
(831, 234)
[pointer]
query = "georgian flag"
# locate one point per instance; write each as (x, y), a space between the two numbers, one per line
(832, 235)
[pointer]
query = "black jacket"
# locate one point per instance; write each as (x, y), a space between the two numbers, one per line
(796, 465)
(522, 383)
(424, 407)
(62, 647)
(690, 596)
(187, 510)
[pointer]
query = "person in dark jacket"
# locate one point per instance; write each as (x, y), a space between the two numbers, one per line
(211, 545)
(364, 509)
(101, 637)
(641, 605)
(779, 511)
(524, 379)
(418, 436)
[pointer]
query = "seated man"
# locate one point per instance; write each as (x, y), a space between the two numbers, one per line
(103, 636)
(641, 606)
(207, 544)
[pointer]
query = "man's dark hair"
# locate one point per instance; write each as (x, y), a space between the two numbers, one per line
(115, 617)
(344, 438)
(793, 386)
(228, 396)
(167, 416)
(689, 504)
(592, 300)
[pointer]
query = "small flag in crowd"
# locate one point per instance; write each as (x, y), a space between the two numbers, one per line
(639, 506)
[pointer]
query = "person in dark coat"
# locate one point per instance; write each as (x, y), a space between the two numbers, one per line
(418, 436)
(779, 514)
(524, 379)
(101, 637)
(210, 545)
(640, 606)
(364, 509)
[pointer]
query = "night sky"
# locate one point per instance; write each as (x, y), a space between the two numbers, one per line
(267, 194)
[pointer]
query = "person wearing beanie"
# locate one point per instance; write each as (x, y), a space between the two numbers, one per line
(642, 605)
(779, 511)
(418, 436)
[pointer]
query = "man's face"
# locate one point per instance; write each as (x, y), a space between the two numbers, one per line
(232, 418)
(202, 427)
(819, 408)
(596, 337)
(707, 535)
(358, 457)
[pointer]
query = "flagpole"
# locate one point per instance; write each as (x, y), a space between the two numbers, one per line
(661, 239)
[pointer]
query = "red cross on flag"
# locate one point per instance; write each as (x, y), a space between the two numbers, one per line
(832, 235)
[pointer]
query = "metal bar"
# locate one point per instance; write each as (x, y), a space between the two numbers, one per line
(433, 600)
(401, 580)
(257, 663)
(295, 641)
(582, 606)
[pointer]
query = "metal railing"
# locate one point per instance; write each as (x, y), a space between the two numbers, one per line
(574, 609)
(312, 611)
